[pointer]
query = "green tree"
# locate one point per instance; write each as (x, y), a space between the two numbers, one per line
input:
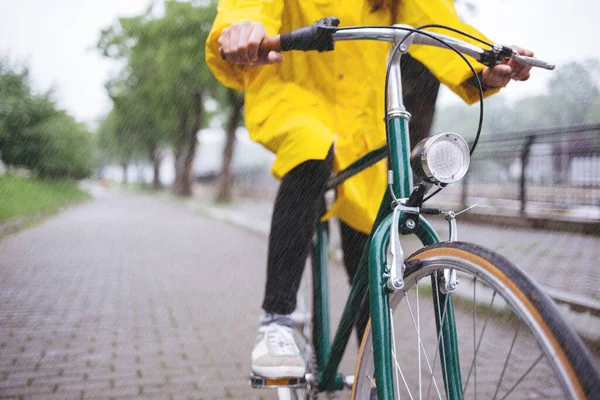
(234, 105)
(20, 110)
(166, 75)
(67, 150)
(572, 98)
(593, 112)
(37, 136)
(573, 92)
(115, 142)
(141, 130)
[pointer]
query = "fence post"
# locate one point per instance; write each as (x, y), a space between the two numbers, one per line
(465, 184)
(524, 162)
(465, 191)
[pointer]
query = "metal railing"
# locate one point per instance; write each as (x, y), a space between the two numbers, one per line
(554, 170)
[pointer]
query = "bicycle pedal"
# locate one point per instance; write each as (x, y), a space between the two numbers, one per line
(260, 382)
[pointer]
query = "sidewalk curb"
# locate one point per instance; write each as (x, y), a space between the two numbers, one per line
(237, 219)
(12, 225)
(550, 224)
(547, 220)
(17, 224)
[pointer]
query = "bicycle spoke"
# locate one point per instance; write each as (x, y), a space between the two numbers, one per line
(487, 316)
(474, 332)
(437, 347)
(440, 337)
(372, 380)
(394, 352)
(523, 377)
(422, 347)
(398, 369)
(506, 362)
(419, 341)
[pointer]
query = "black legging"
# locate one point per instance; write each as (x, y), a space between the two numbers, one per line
(295, 216)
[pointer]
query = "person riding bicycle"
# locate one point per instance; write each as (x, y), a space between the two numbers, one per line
(306, 104)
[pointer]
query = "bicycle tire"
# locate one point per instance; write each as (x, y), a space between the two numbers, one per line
(565, 354)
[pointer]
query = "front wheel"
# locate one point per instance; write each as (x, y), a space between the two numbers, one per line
(511, 341)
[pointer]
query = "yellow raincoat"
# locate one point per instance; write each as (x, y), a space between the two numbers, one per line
(299, 108)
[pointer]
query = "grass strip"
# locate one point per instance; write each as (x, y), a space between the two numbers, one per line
(20, 196)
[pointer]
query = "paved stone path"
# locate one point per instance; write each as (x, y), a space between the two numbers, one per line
(125, 297)
(130, 297)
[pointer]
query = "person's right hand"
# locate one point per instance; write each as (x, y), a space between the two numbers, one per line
(240, 42)
(501, 74)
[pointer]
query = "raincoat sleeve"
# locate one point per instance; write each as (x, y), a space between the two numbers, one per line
(447, 66)
(229, 11)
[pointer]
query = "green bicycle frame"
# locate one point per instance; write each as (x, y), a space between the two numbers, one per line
(368, 287)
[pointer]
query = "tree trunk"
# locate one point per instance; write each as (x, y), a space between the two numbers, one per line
(185, 151)
(224, 180)
(124, 165)
(156, 155)
(186, 147)
(420, 89)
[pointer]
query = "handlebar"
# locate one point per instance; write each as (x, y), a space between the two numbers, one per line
(534, 62)
(322, 34)
(268, 44)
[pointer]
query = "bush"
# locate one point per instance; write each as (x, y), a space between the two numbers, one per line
(37, 136)
(63, 149)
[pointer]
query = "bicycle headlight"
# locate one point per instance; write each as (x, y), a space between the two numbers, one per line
(441, 159)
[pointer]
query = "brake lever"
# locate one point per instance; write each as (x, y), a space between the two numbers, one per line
(498, 53)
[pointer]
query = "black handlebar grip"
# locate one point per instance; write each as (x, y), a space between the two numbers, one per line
(314, 37)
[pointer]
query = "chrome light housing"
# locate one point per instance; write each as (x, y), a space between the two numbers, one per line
(441, 159)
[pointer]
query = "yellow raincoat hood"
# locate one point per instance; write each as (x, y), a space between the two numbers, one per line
(299, 108)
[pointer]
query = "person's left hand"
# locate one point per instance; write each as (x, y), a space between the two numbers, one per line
(501, 74)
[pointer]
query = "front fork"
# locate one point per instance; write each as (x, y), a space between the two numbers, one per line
(381, 282)
(384, 281)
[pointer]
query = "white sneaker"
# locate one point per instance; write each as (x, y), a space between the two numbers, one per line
(276, 354)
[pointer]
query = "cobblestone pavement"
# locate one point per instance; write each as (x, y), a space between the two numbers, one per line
(129, 297)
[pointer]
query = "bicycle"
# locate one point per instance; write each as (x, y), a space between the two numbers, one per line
(468, 284)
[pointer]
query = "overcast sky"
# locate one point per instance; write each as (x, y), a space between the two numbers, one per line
(57, 39)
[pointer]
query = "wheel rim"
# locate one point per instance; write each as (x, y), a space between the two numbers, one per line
(481, 364)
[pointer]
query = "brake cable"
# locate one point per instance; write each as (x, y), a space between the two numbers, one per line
(389, 66)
